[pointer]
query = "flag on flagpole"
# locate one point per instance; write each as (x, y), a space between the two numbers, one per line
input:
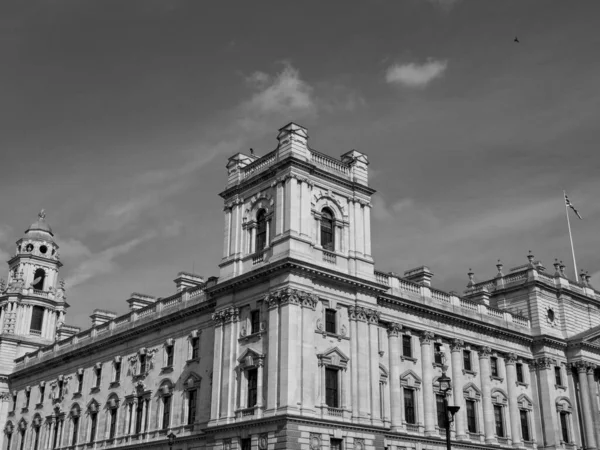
(570, 205)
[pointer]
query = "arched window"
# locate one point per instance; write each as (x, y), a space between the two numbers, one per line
(327, 230)
(113, 407)
(261, 230)
(75, 415)
(8, 430)
(37, 319)
(38, 279)
(36, 424)
(165, 402)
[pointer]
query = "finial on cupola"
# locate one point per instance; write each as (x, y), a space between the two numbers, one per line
(499, 267)
(42, 214)
(471, 276)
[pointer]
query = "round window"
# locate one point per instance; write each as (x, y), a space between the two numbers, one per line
(29, 247)
(550, 314)
(43, 249)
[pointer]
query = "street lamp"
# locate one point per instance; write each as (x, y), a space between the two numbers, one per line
(171, 437)
(449, 411)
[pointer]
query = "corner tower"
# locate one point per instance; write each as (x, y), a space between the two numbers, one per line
(295, 202)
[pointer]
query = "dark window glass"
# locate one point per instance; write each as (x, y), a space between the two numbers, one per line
(195, 347)
(524, 425)
(8, 440)
(519, 369)
(327, 230)
(166, 411)
(146, 415)
(564, 426)
(42, 392)
(130, 411)
(27, 397)
(75, 430)
(139, 415)
(117, 371)
(335, 444)
(36, 438)
(330, 325)
(499, 420)
(494, 366)
(471, 416)
(441, 412)
(98, 376)
(142, 364)
(113, 423)
(169, 350)
(80, 382)
(467, 359)
(192, 406)
(38, 279)
(247, 444)
(22, 440)
(407, 346)
(60, 388)
(437, 354)
(409, 406)
(37, 319)
(261, 230)
(252, 387)
(331, 388)
(557, 376)
(14, 406)
(94, 419)
(255, 321)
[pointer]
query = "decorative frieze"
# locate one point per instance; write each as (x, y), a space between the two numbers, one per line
(457, 345)
(544, 363)
(291, 296)
(363, 314)
(394, 329)
(225, 316)
(510, 358)
(484, 352)
(426, 337)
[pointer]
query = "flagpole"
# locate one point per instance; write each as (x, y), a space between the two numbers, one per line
(570, 236)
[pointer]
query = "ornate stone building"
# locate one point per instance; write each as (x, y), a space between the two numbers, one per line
(300, 343)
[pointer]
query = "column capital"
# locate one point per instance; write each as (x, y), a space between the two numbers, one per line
(580, 366)
(544, 363)
(357, 313)
(373, 316)
(394, 329)
(292, 296)
(426, 337)
(484, 352)
(456, 345)
(510, 359)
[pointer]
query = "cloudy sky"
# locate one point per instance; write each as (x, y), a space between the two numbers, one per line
(118, 117)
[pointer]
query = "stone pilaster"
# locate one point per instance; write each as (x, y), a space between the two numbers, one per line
(273, 355)
(373, 321)
(489, 424)
(354, 338)
(588, 423)
(456, 349)
(428, 397)
(593, 385)
(309, 381)
(513, 407)
(393, 331)
(364, 382)
(215, 406)
(290, 363)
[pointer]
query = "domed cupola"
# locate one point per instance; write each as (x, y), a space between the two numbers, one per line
(40, 229)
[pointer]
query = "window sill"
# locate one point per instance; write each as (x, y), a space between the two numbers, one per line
(95, 390)
(24, 410)
(408, 358)
(114, 384)
(253, 336)
(166, 369)
(474, 435)
(564, 388)
(193, 360)
(39, 406)
(469, 372)
(440, 365)
(521, 383)
(327, 334)
(76, 394)
(497, 378)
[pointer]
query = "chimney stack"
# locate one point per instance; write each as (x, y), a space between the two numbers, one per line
(138, 301)
(186, 280)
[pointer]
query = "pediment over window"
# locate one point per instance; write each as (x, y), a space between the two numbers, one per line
(471, 391)
(499, 396)
(192, 381)
(563, 404)
(410, 379)
(333, 357)
(525, 402)
(250, 358)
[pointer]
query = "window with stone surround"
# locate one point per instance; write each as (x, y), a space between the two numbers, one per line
(437, 353)
(472, 396)
(410, 409)
(564, 411)
(79, 376)
(500, 403)
(169, 353)
(327, 230)
(116, 378)
(22, 431)
(519, 370)
(8, 431)
(27, 396)
(407, 346)
(165, 404)
(411, 384)
(112, 406)
(558, 376)
(261, 231)
(246, 444)
(191, 391)
(98, 375)
(42, 392)
(332, 364)
(467, 361)
(332, 398)
(36, 425)
(494, 366)
(330, 320)
(15, 396)
(37, 320)
(254, 321)
(250, 369)
(38, 279)
(336, 444)
(440, 410)
(194, 346)
(93, 409)
(525, 410)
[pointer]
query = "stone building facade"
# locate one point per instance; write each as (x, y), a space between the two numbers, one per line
(300, 343)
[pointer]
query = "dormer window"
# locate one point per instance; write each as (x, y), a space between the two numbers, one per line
(38, 279)
(261, 230)
(327, 230)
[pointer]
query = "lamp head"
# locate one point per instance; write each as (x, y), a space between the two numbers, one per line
(445, 383)
(171, 437)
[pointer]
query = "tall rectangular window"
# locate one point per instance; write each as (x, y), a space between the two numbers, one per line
(335, 444)
(441, 411)
(22, 446)
(166, 419)
(27, 398)
(564, 426)
(80, 382)
(327, 230)
(113, 423)
(98, 376)
(139, 414)
(192, 395)
(407, 346)
(494, 366)
(499, 420)
(558, 376)
(94, 419)
(471, 416)
(37, 319)
(467, 360)
(36, 438)
(437, 353)
(14, 405)
(75, 436)
(255, 321)
(142, 364)
(519, 369)
(330, 322)
(195, 343)
(169, 355)
(42, 392)
(409, 406)
(246, 444)
(524, 425)
(331, 388)
(252, 387)
(117, 371)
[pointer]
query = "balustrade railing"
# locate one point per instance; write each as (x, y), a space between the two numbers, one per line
(328, 162)
(329, 257)
(260, 164)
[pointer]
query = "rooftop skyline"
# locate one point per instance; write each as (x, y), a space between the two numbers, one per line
(118, 119)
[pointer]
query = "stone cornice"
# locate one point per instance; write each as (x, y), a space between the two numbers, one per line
(455, 319)
(549, 341)
(363, 314)
(274, 170)
(110, 339)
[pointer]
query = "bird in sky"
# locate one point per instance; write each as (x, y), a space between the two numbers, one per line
(516, 39)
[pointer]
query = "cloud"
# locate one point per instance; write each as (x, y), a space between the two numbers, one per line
(414, 75)
(103, 262)
(446, 5)
(5, 232)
